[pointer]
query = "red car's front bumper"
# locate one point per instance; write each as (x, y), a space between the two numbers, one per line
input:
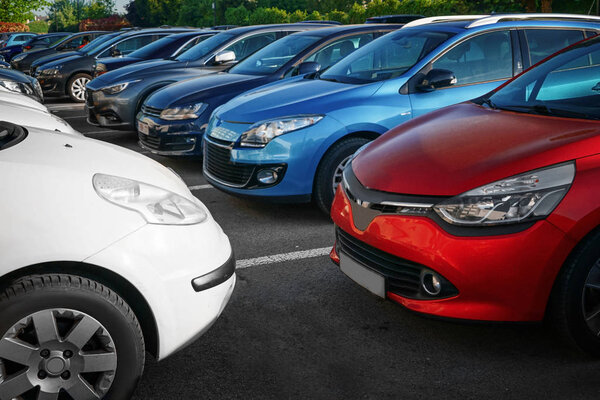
(498, 278)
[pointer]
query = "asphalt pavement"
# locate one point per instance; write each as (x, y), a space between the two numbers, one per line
(297, 328)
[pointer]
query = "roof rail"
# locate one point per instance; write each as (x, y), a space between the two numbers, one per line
(493, 19)
(443, 18)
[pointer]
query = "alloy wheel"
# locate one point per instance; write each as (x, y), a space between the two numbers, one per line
(78, 88)
(591, 299)
(339, 170)
(57, 351)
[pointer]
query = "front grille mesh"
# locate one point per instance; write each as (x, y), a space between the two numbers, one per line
(402, 276)
(217, 162)
(151, 111)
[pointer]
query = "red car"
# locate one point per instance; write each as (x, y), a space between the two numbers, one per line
(490, 209)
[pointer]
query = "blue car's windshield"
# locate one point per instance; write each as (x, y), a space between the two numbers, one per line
(269, 59)
(386, 58)
(567, 85)
(205, 47)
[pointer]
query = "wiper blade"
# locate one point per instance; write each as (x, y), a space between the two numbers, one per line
(489, 103)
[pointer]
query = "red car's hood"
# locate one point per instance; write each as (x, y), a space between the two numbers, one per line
(465, 146)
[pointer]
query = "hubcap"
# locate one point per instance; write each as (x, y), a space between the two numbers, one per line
(339, 170)
(591, 299)
(78, 88)
(57, 350)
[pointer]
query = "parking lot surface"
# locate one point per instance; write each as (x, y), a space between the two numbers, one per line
(297, 328)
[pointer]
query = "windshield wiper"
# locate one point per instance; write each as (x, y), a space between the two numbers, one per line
(543, 109)
(489, 103)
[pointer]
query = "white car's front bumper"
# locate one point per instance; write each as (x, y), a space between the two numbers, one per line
(162, 261)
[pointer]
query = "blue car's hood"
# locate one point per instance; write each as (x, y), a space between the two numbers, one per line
(199, 89)
(140, 70)
(57, 57)
(304, 96)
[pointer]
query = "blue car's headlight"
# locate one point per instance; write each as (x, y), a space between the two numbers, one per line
(119, 87)
(261, 133)
(191, 111)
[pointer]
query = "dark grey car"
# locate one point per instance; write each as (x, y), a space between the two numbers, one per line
(113, 99)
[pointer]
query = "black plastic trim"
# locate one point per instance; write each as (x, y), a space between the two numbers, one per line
(216, 277)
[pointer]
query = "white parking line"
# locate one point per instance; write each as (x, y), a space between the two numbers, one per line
(56, 107)
(99, 132)
(77, 117)
(200, 187)
(277, 258)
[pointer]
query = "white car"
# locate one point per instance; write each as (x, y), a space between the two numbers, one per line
(37, 117)
(22, 100)
(104, 254)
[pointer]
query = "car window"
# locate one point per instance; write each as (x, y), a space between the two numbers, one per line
(338, 49)
(248, 45)
(191, 44)
(544, 42)
(557, 88)
(130, 45)
(483, 58)
(386, 58)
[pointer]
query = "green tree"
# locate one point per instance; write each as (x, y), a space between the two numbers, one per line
(19, 10)
(63, 16)
(357, 14)
(237, 15)
(298, 16)
(339, 16)
(38, 26)
(195, 13)
(97, 9)
(268, 16)
(315, 16)
(154, 12)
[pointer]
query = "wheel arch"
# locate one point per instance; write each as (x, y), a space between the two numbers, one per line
(108, 278)
(71, 77)
(370, 135)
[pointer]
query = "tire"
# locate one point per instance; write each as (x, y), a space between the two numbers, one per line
(573, 299)
(339, 153)
(92, 323)
(76, 87)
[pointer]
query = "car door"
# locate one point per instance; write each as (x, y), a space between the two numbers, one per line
(243, 47)
(479, 63)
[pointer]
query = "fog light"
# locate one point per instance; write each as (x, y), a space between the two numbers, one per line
(431, 283)
(267, 176)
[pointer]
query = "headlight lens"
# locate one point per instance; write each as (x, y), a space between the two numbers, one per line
(19, 57)
(51, 71)
(119, 87)
(16, 87)
(156, 205)
(521, 198)
(261, 133)
(191, 111)
(38, 89)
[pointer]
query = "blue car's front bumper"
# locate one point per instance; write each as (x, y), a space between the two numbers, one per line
(293, 156)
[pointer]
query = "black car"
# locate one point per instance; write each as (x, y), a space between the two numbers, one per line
(167, 47)
(69, 76)
(94, 44)
(115, 97)
(45, 41)
(22, 62)
(172, 120)
(393, 19)
(18, 82)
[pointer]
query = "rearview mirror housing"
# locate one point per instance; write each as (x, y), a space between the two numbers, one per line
(437, 78)
(223, 57)
(308, 67)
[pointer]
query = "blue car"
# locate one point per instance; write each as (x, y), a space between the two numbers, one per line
(290, 140)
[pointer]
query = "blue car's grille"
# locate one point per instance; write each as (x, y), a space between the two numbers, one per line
(218, 165)
(151, 111)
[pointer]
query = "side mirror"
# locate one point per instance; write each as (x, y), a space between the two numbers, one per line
(435, 79)
(114, 52)
(223, 57)
(308, 67)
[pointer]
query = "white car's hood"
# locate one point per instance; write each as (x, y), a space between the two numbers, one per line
(22, 100)
(32, 117)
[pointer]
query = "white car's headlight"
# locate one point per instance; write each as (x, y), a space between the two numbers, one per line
(529, 196)
(261, 133)
(13, 86)
(191, 111)
(119, 87)
(156, 205)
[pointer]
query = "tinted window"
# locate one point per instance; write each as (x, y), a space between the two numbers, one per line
(483, 58)
(544, 42)
(272, 57)
(205, 47)
(248, 45)
(128, 46)
(191, 44)
(338, 49)
(387, 57)
(149, 50)
(557, 88)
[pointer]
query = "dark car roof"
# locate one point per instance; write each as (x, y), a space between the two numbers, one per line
(336, 30)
